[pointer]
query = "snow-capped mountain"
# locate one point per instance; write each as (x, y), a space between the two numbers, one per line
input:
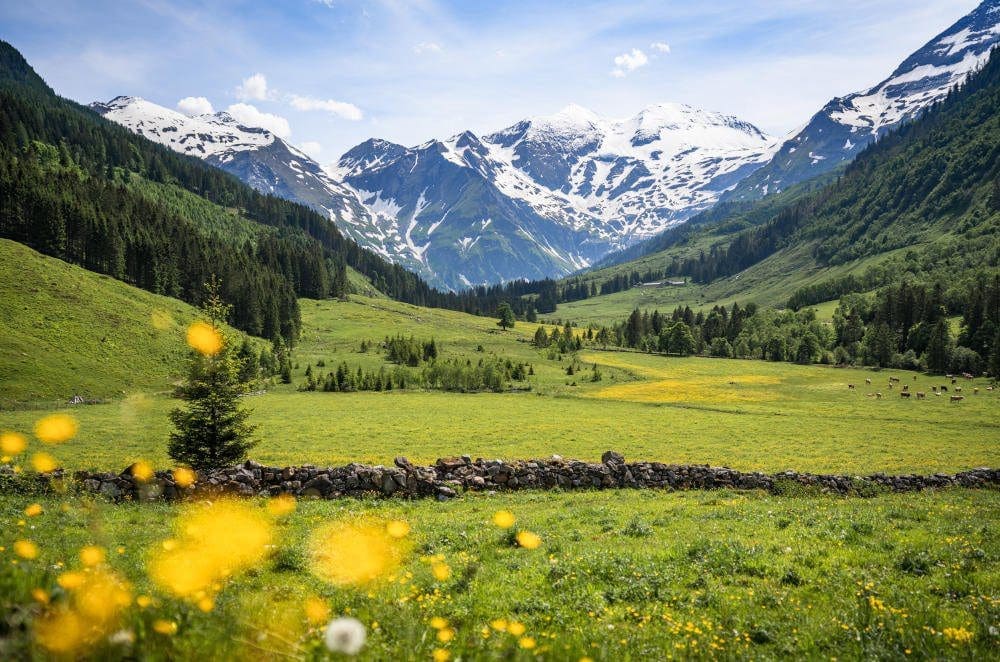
(255, 155)
(548, 195)
(845, 125)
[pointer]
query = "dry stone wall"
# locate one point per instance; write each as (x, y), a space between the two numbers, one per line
(449, 477)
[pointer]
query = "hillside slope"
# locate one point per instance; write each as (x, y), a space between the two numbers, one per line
(846, 125)
(67, 331)
(924, 199)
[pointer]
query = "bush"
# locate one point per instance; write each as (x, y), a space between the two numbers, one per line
(964, 359)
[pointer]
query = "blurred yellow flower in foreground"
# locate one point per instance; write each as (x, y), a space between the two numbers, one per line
(43, 462)
(317, 611)
(397, 528)
(282, 504)
(204, 338)
(33, 510)
(504, 519)
(528, 540)
(92, 555)
(142, 471)
(527, 643)
(26, 549)
(445, 635)
(439, 623)
(441, 655)
(214, 541)
(12, 443)
(164, 626)
(515, 628)
(441, 571)
(354, 552)
(97, 598)
(184, 477)
(56, 428)
(499, 624)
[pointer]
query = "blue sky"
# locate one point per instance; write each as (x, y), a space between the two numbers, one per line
(331, 73)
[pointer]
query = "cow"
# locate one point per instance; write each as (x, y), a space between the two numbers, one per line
(921, 395)
(878, 395)
(904, 394)
(937, 393)
(944, 388)
(850, 386)
(975, 391)
(868, 380)
(958, 389)
(954, 381)
(957, 398)
(893, 379)
(967, 375)
(906, 387)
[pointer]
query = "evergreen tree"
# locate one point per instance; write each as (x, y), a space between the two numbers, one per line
(994, 363)
(506, 314)
(212, 430)
(938, 347)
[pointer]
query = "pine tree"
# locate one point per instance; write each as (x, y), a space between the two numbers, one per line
(212, 431)
(994, 365)
(506, 314)
(938, 346)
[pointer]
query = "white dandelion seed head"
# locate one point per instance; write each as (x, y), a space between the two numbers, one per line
(345, 635)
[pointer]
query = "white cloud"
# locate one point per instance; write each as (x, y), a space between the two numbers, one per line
(246, 114)
(427, 47)
(627, 62)
(253, 88)
(192, 106)
(312, 148)
(660, 47)
(348, 111)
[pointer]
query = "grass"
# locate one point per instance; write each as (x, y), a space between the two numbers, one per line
(620, 575)
(67, 331)
(768, 283)
(774, 416)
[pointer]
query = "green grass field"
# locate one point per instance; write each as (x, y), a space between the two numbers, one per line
(619, 575)
(745, 414)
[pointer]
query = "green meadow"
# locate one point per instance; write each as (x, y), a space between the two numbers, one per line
(619, 575)
(622, 575)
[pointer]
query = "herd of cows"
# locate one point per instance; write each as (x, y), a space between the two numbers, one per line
(956, 391)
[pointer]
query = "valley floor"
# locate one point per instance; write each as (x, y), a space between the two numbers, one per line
(619, 575)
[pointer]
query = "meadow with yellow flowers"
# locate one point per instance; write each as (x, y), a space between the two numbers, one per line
(598, 575)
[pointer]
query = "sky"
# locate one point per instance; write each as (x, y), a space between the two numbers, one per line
(329, 74)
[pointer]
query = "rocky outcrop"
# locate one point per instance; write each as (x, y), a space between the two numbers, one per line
(448, 477)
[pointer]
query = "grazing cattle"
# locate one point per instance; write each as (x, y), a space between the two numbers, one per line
(869, 395)
(975, 391)
(921, 395)
(894, 379)
(878, 395)
(967, 375)
(957, 398)
(958, 389)
(954, 381)
(937, 393)
(914, 378)
(868, 380)
(890, 384)
(904, 394)
(850, 386)
(906, 387)
(989, 388)
(944, 388)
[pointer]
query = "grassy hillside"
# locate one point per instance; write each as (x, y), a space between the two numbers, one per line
(67, 331)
